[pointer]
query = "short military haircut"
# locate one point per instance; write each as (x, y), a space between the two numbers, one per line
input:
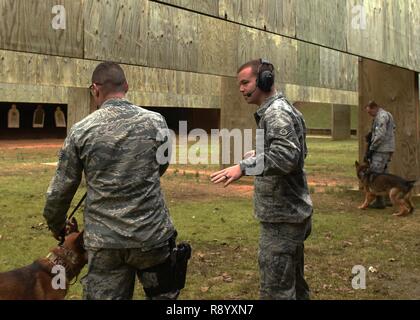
(372, 105)
(110, 76)
(256, 66)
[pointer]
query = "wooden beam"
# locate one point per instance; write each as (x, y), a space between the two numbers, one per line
(27, 93)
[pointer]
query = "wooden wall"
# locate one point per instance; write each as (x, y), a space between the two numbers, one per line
(164, 36)
(148, 86)
(25, 25)
(397, 90)
(392, 32)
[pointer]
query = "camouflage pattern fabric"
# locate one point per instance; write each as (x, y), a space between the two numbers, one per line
(281, 261)
(112, 273)
(281, 191)
(116, 148)
(383, 136)
(379, 162)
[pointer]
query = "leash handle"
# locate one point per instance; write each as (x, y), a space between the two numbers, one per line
(78, 206)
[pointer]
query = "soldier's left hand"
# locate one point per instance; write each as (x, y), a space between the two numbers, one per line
(227, 175)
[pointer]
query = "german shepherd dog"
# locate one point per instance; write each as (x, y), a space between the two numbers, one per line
(35, 281)
(396, 188)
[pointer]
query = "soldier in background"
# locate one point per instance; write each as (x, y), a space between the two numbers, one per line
(127, 227)
(282, 202)
(381, 146)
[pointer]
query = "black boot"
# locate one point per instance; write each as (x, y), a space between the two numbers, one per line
(378, 203)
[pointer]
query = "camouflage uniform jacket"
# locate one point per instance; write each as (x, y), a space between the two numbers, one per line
(116, 148)
(281, 191)
(383, 127)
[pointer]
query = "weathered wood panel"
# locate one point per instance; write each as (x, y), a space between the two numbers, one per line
(338, 70)
(79, 105)
(278, 16)
(172, 38)
(308, 64)
(210, 7)
(414, 36)
(396, 90)
(25, 93)
(218, 46)
(319, 95)
(281, 51)
(340, 122)
(322, 22)
(396, 33)
(116, 30)
(26, 25)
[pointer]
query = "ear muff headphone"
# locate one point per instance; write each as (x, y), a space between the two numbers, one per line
(265, 78)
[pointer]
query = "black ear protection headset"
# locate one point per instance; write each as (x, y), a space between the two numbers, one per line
(265, 78)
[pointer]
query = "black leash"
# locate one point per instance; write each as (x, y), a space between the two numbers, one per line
(62, 237)
(78, 206)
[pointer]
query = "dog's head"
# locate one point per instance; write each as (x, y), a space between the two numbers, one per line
(362, 170)
(71, 254)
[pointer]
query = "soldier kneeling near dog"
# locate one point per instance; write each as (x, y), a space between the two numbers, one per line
(381, 146)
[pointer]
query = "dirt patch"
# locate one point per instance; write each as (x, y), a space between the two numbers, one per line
(31, 144)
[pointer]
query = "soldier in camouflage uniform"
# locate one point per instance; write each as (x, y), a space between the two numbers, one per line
(127, 227)
(381, 146)
(282, 202)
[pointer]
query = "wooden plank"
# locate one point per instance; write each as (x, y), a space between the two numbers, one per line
(280, 51)
(116, 30)
(340, 122)
(414, 35)
(26, 25)
(172, 40)
(322, 22)
(218, 45)
(396, 33)
(396, 90)
(277, 16)
(24, 93)
(210, 7)
(338, 70)
(79, 105)
(308, 57)
(319, 95)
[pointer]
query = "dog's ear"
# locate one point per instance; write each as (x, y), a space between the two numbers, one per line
(72, 226)
(79, 240)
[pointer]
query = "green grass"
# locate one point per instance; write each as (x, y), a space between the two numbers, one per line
(220, 226)
(331, 159)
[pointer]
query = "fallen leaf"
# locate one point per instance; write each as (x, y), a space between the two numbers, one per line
(372, 269)
(226, 277)
(204, 289)
(391, 260)
(347, 244)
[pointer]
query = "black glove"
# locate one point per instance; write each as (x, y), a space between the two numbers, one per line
(368, 137)
(60, 235)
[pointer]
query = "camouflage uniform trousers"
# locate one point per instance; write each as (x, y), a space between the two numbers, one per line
(379, 162)
(112, 273)
(281, 260)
